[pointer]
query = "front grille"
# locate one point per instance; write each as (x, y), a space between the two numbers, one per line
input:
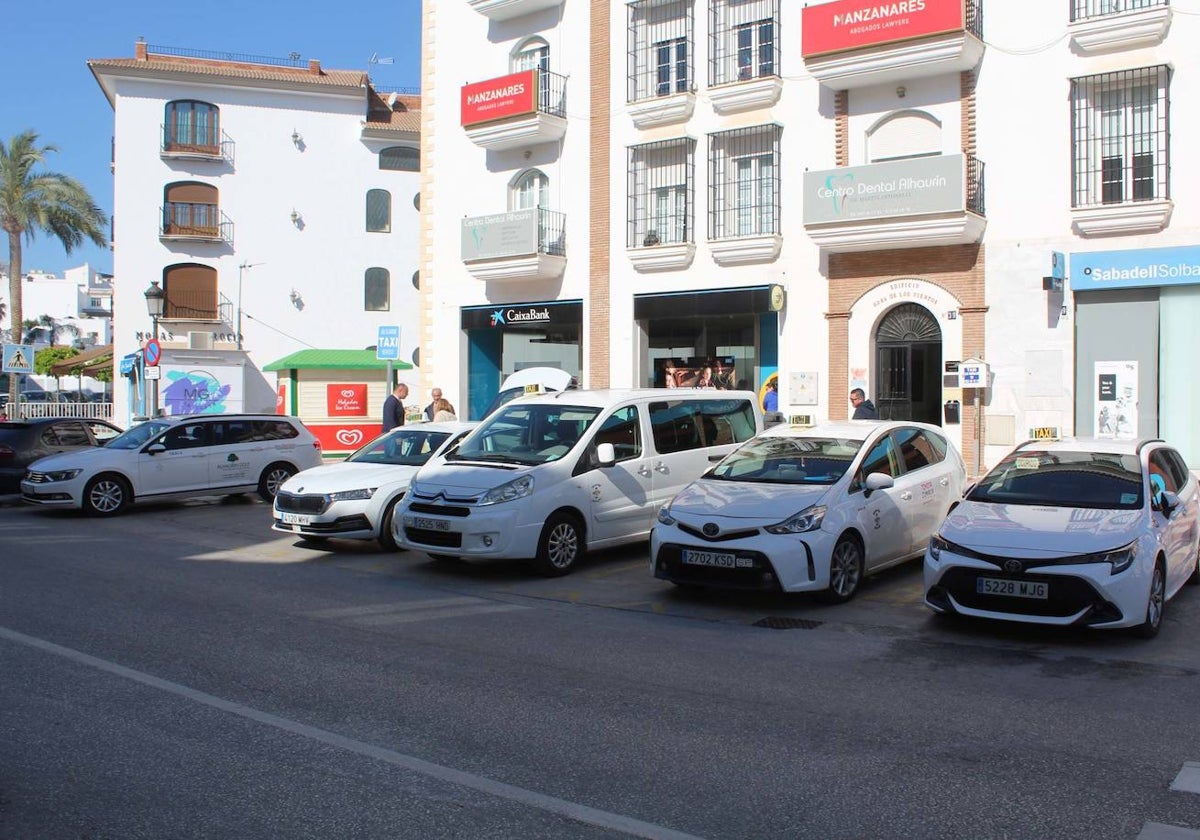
(759, 576)
(301, 503)
(728, 535)
(441, 539)
(439, 510)
(357, 522)
(1067, 595)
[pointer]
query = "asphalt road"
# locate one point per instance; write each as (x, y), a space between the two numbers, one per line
(184, 672)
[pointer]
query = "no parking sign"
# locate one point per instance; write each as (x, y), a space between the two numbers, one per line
(153, 351)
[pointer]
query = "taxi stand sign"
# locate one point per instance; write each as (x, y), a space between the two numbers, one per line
(18, 358)
(973, 373)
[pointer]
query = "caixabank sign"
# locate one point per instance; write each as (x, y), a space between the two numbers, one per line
(854, 24)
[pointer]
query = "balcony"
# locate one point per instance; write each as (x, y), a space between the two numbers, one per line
(194, 145)
(844, 51)
(196, 306)
(515, 111)
(912, 203)
(508, 9)
(520, 245)
(186, 221)
(1096, 28)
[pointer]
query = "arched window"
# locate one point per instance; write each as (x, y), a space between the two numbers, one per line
(379, 211)
(533, 54)
(190, 209)
(530, 189)
(190, 290)
(191, 126)
(904, 134)
(400, 159)
(377, 295)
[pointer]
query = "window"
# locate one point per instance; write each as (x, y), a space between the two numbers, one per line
(1084, 9)
(623, 429)
(916, 449)
(191, 127)
(742, 40)
(191, 209)
(102, 432)
(190, 291)
(660, 48)
(661, 193)
(531, 189)
(379, 211)
(187, 436)
(904, 134)
(400, 159)
(377, 290)
(744, 182)
(680, 425)
(882, 458)
(1120, 137)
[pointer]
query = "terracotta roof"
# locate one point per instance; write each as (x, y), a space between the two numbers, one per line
(400, 121)
(404, 114)
(156, 64)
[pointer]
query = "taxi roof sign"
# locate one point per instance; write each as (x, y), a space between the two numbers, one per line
(535, 388)
(800, 420)
(1044, 433)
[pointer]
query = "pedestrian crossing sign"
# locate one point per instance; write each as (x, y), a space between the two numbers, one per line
(18, 358)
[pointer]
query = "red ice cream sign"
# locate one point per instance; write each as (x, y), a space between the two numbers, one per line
(507, 96)
(851, 24)
(346, 400)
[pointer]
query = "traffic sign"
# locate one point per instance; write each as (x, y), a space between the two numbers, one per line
(388, 345)
(18, 358)
(974, 373)
(153, 351)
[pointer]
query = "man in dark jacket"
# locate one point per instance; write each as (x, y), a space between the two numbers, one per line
(864, 409)
(393, 407)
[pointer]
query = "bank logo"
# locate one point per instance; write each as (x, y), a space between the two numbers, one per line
(498, 318)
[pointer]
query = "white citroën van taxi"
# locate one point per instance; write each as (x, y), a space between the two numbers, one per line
(549, 476)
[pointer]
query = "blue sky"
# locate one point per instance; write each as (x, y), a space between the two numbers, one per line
(47, 85)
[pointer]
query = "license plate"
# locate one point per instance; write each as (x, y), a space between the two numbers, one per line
(426, 524)
(1012, 588)
(709, 558)
(295, 519)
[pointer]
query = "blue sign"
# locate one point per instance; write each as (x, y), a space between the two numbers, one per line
(1136, 268)
(1058, 265)
(388, 345)
(18, 358)
(127, 363)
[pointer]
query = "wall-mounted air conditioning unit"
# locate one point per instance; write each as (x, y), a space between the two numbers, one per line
(200, 340)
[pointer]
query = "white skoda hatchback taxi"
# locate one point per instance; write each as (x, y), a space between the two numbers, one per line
(1094, 533)
(810, 509)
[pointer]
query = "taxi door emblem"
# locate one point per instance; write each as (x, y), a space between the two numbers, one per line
(596, 492)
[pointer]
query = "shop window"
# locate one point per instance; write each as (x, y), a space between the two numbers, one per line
(400, 159)
(904, 134)
(379, 211)
(377, 290)
(744, 182)
(661, 193)
(191, 126)
(743, 40)
(1084, 9)
(190, 292)
(1120, 137)
(660, 45)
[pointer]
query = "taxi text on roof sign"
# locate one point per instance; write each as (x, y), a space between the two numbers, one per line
(534, 388)
(800, 420)
(1044, 433)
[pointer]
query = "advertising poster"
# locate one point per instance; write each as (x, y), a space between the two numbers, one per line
(1116, 400)
(346, 399)
(343, 438)
(718, 372)
(768, 389)
(215, 389)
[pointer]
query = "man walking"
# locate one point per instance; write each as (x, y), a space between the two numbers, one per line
(864, 409)
(431, 409)
(393, 407)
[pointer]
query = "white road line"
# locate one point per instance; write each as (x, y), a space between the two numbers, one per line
(392, 606)
(491, 787)
(433, 615)
(1188, 779)
(1161, 831)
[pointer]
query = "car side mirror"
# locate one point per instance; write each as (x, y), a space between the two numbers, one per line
(1168, 502)
(606, 454)
(155, 449)
(877, 481)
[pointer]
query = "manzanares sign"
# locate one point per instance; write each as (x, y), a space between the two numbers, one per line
(911, 187)
(851, 24)
(495, 99)
(1141, 267)
(512, 234)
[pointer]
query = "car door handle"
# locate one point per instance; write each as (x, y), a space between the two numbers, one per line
(906, 495)
(660, 467)
(644, 471)
(943, 481)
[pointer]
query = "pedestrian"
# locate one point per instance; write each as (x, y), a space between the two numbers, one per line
(864, 409)
(443, 411)
(393, 407)
(431, 409)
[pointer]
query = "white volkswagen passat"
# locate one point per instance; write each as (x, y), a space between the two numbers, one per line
(354, 499)
(1096, 533)
(810, 509)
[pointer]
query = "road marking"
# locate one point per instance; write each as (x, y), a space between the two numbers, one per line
(1161, 831)
(491, 787)
(1188, 779)
(391, 606)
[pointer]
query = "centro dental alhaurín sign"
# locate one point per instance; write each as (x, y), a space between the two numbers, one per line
(512, 234)
(912, 187)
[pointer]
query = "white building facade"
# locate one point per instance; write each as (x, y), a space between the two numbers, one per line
(275, 204)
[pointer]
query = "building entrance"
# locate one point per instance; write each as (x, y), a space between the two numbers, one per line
(908, 365)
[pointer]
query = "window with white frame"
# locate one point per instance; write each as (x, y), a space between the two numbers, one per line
(743, 40)
(660, 48)
(1084, 9)
(661, 193)
(534, 54)
(744, 182)
(1120, 137)
(531, 189)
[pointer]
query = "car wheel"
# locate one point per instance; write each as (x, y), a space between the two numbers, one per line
(845, 570)
(1156, 604)
(106, 495)
(385, 528)
(561, 545)
(272, 479)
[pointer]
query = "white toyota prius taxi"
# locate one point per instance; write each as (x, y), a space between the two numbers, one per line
(1095, 533)
(810, 509)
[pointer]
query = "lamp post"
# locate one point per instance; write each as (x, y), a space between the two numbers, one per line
(156, 299)
(241, 270)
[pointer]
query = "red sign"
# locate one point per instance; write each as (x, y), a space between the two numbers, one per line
(851, 24)
(344, 437)
(495, 99)
(281, 400)
(344, 400)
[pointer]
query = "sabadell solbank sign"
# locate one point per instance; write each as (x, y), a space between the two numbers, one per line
(851, 24)
(508, 96)
(1138, 267)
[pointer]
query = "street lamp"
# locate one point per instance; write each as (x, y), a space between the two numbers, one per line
(156, 299)
(241, 270)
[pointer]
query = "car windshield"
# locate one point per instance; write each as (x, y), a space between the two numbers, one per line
(1048, 478)
(137, 435)
(524, 433)
(405, 447)
(789, 460)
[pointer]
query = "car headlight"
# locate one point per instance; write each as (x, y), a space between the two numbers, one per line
(1120, 559)
(809, 519)
(936, 546)
(61, 475)
(664, 515)
(352, 495)
(518, 488)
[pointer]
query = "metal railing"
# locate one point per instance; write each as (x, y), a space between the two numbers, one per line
(195, 142)
(552, 93)
(1085, 9)
(199, 305)
(974, 18)
(552, 232)
(293, 60)
(97, 410)
(975, 186)
(189, 220)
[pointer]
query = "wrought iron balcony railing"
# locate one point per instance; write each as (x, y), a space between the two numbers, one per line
(195, 142)
(975, 186)
(187, 220)
(1085, 9)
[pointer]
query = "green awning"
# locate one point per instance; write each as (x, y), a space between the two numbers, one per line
(335, 360)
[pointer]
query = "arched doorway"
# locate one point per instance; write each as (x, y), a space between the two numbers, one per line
(908, 365)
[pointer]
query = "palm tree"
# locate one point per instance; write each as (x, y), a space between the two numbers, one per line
(50, 327)
(31, 201)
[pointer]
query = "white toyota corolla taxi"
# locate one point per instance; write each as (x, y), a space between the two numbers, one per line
(355, 499)
(810, 509)
(1096, 533)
